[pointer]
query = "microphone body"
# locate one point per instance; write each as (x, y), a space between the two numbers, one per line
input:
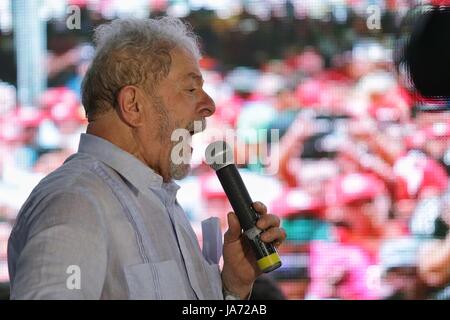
(231, 181)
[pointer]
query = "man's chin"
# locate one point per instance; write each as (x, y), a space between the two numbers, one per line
(180, 171)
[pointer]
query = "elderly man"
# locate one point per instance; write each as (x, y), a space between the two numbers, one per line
(106, 224)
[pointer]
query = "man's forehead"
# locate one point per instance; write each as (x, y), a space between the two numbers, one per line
(185, 66)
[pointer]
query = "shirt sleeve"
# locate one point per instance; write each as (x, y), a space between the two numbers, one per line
(60, 251)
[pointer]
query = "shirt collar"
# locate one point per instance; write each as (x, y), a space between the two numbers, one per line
(128, 166)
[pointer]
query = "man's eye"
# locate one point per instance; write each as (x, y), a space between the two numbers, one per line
(191, 90)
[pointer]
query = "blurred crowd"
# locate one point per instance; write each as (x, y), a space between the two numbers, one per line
(358, 176)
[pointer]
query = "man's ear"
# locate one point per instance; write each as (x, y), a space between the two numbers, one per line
(129, 107)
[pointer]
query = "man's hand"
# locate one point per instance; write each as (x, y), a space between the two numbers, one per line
(240, 268)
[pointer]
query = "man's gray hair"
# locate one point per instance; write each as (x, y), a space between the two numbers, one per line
(132, 52)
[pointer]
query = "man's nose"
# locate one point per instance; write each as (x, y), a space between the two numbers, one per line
(207, 105)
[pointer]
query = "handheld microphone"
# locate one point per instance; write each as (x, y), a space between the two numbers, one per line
(219, 156)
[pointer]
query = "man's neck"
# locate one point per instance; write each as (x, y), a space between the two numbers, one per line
(123, 138)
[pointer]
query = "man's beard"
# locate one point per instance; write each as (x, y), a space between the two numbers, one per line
(179, 171)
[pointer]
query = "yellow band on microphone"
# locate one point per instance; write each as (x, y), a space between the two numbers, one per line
(269, 263)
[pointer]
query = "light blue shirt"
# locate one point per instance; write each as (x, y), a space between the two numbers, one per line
(106, 226)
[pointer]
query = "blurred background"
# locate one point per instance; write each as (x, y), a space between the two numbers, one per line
(361, 181)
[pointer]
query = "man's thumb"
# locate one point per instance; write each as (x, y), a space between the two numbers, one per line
(234, 228)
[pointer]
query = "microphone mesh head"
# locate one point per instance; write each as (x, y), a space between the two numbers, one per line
(218, 154)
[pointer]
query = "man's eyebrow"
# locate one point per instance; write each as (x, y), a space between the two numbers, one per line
(195, 76)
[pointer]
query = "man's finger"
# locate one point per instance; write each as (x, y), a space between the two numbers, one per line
(260, 207)
(234, 228)
(277, 235)
(277, 244)
(268, 220)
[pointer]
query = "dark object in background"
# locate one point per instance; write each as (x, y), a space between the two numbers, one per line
(315, 146)
(265, 288)
(426, 57)
(4, 291)
(293, 276)
(8, 70)
(441, 229)
(312, 147)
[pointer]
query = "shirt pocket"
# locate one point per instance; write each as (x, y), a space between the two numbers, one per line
(155, 281)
